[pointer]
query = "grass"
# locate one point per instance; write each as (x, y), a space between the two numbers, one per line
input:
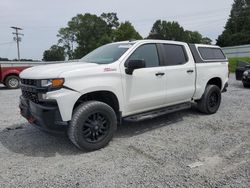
(233, 61)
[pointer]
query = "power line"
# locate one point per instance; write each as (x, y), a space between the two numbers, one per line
(17, 39)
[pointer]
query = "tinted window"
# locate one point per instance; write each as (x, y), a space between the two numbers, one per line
(174, 54)
(211, 53)
(148, 53)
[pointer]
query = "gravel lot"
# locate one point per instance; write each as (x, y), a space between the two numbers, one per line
(183, 149)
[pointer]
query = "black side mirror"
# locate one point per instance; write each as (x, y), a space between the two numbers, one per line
(131, 65)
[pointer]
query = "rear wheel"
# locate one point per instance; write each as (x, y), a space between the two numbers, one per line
(210, 101)
(92, 126)
(12, 82)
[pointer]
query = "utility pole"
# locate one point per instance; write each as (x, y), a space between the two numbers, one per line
(17, 38)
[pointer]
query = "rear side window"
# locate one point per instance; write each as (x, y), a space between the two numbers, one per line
(148, 53)
(174, 54)
(211, 53)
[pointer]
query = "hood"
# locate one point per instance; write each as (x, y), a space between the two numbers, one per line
(54, 70)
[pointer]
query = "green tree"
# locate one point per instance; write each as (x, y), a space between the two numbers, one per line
(126, 31)
(206, 40)
(192, 37)
(112, 22)
(237, 29)
(86, 32)
(92, 32)
(55, 53)
(111, 19)
(173, 31)
(68, 40)
(166, 31)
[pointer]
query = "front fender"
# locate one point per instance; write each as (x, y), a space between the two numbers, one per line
(66, 99)
(103, 82)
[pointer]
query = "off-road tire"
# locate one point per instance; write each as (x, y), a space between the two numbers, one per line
(80, 123)
(12, 82)
(210, 101)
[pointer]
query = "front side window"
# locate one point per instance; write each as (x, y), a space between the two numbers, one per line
(107, 54)
(148, 53)
(174, 54)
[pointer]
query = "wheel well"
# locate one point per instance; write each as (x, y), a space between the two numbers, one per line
(103, 96)
(11, 74)
(215, 81)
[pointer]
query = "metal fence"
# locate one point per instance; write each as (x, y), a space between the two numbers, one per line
(237, 51)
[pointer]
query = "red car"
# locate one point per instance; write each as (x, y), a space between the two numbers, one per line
(9, 72)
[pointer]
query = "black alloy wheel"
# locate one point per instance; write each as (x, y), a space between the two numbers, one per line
(213, 99)
(92, 126)
(96, 127)
(210, 101)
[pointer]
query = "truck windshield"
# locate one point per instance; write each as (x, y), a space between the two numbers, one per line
(107, 54)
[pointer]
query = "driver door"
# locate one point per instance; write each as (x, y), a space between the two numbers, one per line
(145, 89)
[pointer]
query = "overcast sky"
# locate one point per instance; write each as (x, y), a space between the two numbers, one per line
(41, 19)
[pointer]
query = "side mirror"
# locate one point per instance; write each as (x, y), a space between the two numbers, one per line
(131, 65)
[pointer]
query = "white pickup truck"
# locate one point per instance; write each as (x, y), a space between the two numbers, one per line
(132, 80)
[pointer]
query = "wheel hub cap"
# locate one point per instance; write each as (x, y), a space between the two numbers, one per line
(213, 99)
(95, 128)
(13, 82)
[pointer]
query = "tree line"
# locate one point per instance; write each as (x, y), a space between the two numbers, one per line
(85, 32)
(237, 29)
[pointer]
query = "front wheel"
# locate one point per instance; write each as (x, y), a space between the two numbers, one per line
(12, 82)
(92, 126)
(210, 101)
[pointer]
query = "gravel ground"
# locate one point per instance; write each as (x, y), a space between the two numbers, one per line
(183, 149)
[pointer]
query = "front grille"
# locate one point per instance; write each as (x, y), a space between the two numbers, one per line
(28, 89)
(30, 82)
(31, 96)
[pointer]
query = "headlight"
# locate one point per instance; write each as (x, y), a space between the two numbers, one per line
(246, 73)
(52, 83)
(46, 83)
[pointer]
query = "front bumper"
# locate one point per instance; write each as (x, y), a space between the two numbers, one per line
(45, 116)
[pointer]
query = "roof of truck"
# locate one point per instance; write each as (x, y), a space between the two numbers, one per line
(167, 41)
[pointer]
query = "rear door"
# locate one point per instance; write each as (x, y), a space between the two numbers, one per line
(180, 73)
